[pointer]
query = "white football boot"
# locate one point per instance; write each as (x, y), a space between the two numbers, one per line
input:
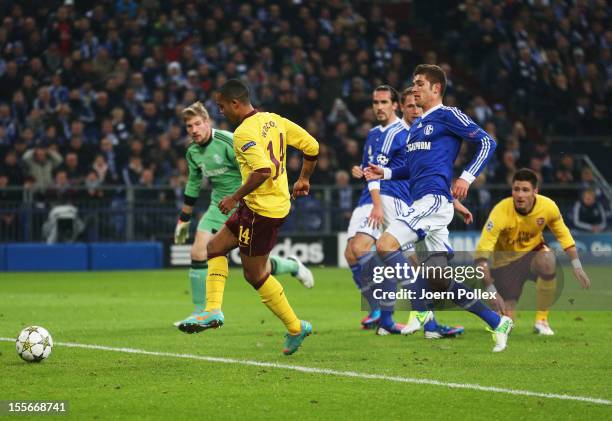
(501, 332)
(541, 327)
(304, 275)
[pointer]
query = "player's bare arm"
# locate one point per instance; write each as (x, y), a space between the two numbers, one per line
(497, 303)
(579, 273)
(376, 217)
(302, 186)
(465, 213)
(256, 179)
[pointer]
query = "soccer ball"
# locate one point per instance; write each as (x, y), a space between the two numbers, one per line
(34, 344)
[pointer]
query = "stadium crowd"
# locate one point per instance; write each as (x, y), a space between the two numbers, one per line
(92, 97)
(544, 57)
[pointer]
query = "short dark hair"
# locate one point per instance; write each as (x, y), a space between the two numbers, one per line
(405, 93)
(235, 89)
(390, 89)
(434, 74)
(525, 174)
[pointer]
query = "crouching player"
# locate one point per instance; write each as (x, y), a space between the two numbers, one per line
(513, 236)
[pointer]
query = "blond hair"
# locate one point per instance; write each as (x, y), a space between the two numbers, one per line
(195, 110)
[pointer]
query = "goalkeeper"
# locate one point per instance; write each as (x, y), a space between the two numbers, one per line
(210, 154)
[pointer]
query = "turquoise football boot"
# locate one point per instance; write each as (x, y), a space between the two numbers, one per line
(205, 320)
(293, 342)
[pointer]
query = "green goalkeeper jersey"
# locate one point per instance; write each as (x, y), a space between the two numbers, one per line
(217, 162)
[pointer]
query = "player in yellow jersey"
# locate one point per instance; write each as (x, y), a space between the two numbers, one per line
(263, 202)
(513, 238)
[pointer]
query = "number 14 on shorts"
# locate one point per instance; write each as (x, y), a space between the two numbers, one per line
(244, 237)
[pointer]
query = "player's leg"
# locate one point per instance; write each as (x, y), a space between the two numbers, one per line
(365, 260)
(209, 224)
(358, 251)
(463, 295)
(393, 209)
(270, 290)
(256, 237)
(405, 230)
(427, 220)
(431, 329)
(273, 296)
(197, 273)
(437, 241)
(545, 267)
(408, 229)
(510, 308)
(199, 268)
(509, 281)
(291, 264)
(389, 251)
(218, 267)
(371, 319)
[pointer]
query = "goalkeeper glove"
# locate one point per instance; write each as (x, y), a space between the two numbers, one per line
(181, 232)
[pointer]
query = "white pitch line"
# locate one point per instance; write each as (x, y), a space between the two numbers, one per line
(330, 372)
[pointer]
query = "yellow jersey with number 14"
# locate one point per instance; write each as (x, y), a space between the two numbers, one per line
(260, 141)
(508, 235)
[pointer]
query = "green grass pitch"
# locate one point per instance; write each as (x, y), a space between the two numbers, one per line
(136, 310)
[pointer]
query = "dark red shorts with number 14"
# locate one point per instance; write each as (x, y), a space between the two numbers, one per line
(256, 233)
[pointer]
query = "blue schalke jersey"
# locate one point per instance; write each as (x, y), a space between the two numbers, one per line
(434, 140)
(386, 146)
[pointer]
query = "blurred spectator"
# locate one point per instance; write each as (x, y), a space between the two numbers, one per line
(163, 157)
(40, 163)
(74, 172)
(587, 181)
(83, 151)
(324, 174)
(506, 170)
(589, 215)
(294, 166)
(113, 160)
(481, 110)
(12, 168)
(340, 112)
(61, 191)
(8, 215)
(343, 201)
(132, 172)
(93, 192)
(182, 171)
(566, 171)
(541, 151)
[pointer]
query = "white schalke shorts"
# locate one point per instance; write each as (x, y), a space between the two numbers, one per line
(392, 209)
(427, 219)
(359, 222)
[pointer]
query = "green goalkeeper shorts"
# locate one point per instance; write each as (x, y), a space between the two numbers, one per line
(213, 219)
